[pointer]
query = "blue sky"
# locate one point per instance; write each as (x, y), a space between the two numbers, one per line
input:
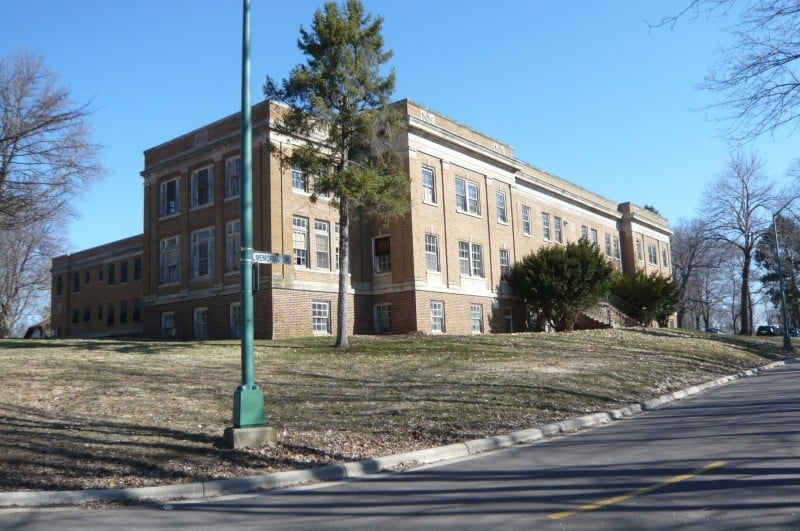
(582, 89)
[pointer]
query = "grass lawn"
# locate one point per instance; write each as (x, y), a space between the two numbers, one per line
(120, 413)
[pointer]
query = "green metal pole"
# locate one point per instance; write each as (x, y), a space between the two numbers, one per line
(248, 400)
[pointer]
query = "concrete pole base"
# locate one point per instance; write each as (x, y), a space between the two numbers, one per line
(252, 437)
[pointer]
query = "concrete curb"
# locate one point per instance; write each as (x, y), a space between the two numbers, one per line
(213, 488)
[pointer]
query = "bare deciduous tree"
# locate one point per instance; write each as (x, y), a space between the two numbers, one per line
(692, 257)
(736, 210)
(46, 156)
(25, 274)
(758, 76)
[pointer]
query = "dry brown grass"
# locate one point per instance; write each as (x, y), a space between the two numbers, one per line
(115, 413)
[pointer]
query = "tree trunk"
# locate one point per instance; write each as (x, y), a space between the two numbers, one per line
(744, 301)
(342, 340)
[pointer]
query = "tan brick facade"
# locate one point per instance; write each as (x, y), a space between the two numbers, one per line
(474, 211)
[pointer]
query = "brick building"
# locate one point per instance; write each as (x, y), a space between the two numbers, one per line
(474, 210)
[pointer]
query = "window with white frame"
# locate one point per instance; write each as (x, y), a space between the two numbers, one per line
(593, 237)
(382, 254)
(617, 254)
(526, 221)
(470, 258)
(432, 252)
(233, 168)
(502, 212)
(169, 199)
(476, 315)
(428, 185)
(557, 229)
(336, 233)
(318, 188)
(232, 246)
(664, 257)
(299, 178)
(321, 317)
(201, 324)
(168, 324)
(169, 259)
(546, 226)
(505, 265)
(300, 240)
(203, 253)
(383, 318)
(322, 243)
(437, 317)
(652, 254)
(235, 320)
(608, 245)
(202, 184)
(467, 196)
(639, 254)
(584, 233)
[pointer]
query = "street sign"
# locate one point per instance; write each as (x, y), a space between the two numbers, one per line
(271, 258)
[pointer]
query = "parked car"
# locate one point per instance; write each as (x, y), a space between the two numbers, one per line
(713, 330)
(794, 332)
(768, 330)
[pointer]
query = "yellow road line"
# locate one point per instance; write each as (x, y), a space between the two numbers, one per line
(638, 492)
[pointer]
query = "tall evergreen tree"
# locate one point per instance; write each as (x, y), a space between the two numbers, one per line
(342, 92)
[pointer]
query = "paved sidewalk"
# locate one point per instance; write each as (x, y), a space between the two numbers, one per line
(214, 488)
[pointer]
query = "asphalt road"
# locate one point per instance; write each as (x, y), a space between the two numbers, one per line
(729, 459)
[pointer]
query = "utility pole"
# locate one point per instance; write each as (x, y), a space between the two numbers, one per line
(249, 421)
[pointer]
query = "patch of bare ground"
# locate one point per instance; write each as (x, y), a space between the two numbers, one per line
(78, 414)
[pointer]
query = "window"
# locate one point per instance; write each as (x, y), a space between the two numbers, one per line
(557, 229)
(235, 320)
(505, 266)
(476, 315)
(123, 312)
(428, 186)
(232, 246)
(137, 310)
(87, 314)
(437, 317)
(652, 254)
(300, 240)
(467, 197)
(616, 248)
(100, 312)
(502, 214)
(432, 252)
(320, 317)
(470, 258)
(110, 315)
(233, 167)
(59, 285)
(336, 237)
(123, 271)
(76, 283)
(87, 278)
(584, 232)
(111, 274)
(383, 318)
(639, 255)
(299, 178)
(664, 257)
(203, 253)
(322, 243)
(546, 226)
(201, 324)
(202, 187)
(318, 187)
(100, 274)
(526, 221)
(168, 324)
(169, 202)
(383, 254)
(169, 260)
(76, 315)
(608, 245)
(137, 269)
(593, 234)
